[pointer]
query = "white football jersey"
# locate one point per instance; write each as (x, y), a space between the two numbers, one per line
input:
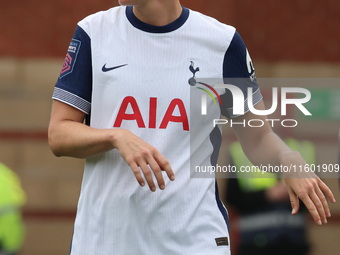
(127, 74)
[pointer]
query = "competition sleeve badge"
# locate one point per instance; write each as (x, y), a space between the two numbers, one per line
(70, 58)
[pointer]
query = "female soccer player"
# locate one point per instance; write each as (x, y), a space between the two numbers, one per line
(130, 71)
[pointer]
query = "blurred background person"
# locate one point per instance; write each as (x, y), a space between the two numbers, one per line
(266, 225)
(12, 198)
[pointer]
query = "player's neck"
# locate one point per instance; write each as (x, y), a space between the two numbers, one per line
(158, 12)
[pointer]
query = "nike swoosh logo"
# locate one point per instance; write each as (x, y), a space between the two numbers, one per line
(104, 69)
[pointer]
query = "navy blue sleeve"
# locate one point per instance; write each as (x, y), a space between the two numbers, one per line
(238, 70)
(74, 86)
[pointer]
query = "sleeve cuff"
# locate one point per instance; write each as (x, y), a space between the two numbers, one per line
(257, 97)
(72, 100)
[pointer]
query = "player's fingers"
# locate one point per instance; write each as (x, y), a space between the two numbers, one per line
(137, 173)
(326, 190)
(165, 165)
(294, 201)
(310, 199)
(324, 202)
(321, 217)
(312, 209)
(157, 172)
(148, 175)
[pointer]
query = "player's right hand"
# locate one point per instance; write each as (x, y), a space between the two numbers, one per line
(142, 157)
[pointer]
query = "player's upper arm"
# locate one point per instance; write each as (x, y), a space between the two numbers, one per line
(73, 89)
(65, 112)
(62, 115)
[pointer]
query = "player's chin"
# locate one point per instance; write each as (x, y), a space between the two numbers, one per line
(127, 2)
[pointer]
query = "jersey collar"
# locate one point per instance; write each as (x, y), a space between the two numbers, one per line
(156, 29)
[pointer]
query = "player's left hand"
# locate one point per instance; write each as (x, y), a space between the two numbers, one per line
(307, 186)
(263, 146)
(310, 191)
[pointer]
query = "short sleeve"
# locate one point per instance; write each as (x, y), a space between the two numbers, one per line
(74, 85)
(238, 70)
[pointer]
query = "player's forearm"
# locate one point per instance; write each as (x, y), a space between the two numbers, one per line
(267, 149)
(73, 139)
(261, 145)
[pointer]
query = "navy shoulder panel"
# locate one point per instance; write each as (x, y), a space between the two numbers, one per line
(75, 78)
(238, 70)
